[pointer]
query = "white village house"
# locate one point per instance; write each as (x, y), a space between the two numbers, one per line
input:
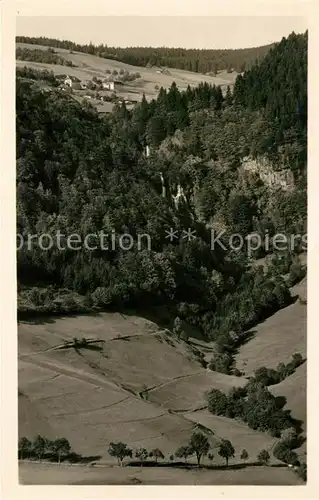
(108, 84)
(71, 80)
(68, 81)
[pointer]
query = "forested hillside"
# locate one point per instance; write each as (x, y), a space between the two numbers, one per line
(278, 86)
(37, 55)
(80, 173)
(198, 60)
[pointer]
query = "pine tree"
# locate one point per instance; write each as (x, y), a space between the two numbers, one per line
(228, 97)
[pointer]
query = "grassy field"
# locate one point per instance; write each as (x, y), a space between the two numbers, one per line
(294, 389)
(78, 475)
(146, 388)
(238, 433)
(92, 396)
(188, 393)
(89, 66)
(275, 340)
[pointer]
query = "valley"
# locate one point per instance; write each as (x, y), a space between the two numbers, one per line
(183, 362)
(93, 397)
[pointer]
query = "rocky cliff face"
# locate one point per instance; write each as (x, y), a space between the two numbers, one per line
(271, 177)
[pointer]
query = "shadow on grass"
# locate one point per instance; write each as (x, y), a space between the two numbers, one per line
(157, 314)
(185, 465)
(89, 347)
(49, 317)
(73, 458)
(280, 402)
(35, 319)
(126, 338)
(163, 316)
(243, 339)
(93, 347)
(294, 298)
(80, 459)
(248, 334)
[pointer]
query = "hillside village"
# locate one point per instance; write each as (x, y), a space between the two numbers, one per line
(100, 90)
(106, 82)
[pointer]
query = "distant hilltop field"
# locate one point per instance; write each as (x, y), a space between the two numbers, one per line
(194, 60)
(128, 82)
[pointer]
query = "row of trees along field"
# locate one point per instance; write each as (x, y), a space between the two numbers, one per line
(80, 173)
(198, 446)
(41, 447)
(197, 60)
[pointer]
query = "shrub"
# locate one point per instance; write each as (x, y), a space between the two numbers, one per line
(177, 328)
(217, 402)
(244, 455)
(301, 471)
(283, 452)
(184, 452)
(101, 297)
(296, 273)
(297, 359)
(184, 336)
(221, 362)
(266, 376)
(237, 372)
(269, 376)
(263, 457)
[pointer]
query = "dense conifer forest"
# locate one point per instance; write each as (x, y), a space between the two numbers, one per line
(78, 172)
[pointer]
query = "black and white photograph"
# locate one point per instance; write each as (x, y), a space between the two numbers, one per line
(161, 250)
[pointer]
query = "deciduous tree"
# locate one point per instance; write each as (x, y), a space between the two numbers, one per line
(184, 452)
(24, 447)
(263, 457)
(226, 450)
(199, 444)
(142, 455)
(244, 455)
(119, 450)
(157, 454)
